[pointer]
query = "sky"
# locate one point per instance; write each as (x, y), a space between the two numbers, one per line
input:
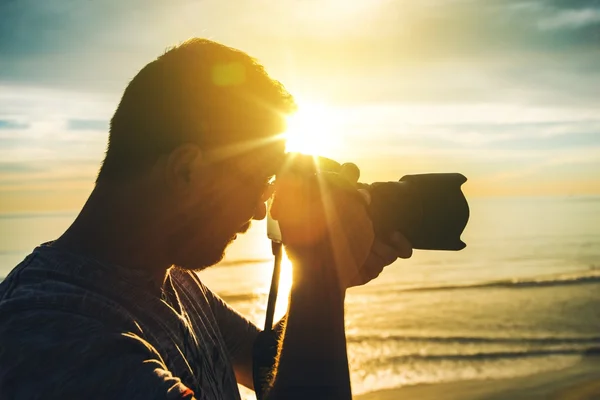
(506, 92)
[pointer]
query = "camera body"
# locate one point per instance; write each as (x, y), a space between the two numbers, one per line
(430, 210)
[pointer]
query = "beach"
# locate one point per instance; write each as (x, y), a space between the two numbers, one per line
(580, 382)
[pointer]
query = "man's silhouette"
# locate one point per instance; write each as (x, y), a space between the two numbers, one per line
(112, 309)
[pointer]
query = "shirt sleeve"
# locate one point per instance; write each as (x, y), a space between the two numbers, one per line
(58, 355)
(238, 332)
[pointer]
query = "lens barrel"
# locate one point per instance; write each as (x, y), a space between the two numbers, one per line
(429, 209)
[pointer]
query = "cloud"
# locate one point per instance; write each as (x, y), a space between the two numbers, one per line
(18, 167)
(87, 125)
(567, 163)
(34, 174)
(392, 50)
(28, 103)
(509, 139)
(52, 124)
(570, 19)
(480, 86)
(12, 124)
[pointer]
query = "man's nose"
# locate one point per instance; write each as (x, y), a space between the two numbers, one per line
(260, 212)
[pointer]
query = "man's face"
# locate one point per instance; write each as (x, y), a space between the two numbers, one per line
(231, 193)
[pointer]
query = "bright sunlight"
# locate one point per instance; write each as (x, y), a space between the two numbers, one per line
(285, 285)
(314, 130)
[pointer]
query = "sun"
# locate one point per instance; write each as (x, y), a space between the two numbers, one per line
(313, 129)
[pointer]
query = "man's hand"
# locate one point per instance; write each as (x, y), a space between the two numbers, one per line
(325, 228)
(382, 254)
(328, 235)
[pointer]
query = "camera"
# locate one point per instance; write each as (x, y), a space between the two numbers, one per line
(430, 210)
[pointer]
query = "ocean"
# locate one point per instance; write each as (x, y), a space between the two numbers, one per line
(522, 298)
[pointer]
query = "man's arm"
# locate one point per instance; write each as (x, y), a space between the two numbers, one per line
(266, 346)
(239, 335)
(328, 236)
(312, 361)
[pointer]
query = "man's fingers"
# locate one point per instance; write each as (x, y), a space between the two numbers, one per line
(385, 254)
(371, 269)
(350, 172)
(401, 245)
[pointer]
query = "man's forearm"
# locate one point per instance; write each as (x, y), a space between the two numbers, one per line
(264, 356)
(313, 362)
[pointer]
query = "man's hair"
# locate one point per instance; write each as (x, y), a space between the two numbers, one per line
(199, 91)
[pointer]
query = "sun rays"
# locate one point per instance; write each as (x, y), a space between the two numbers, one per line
(313, 129)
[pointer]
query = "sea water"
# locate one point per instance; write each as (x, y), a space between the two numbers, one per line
(522, 298)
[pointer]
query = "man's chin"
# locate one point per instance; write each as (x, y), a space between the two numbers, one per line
(202, 264)
(206, 259)
(207, 255)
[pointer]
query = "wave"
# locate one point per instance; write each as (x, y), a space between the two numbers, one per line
(493, 355)
(232, 263)
(583, 199)
(587, 277)
(589, 340)
(234, 298)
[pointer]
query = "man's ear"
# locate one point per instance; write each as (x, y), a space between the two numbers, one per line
(182, 168)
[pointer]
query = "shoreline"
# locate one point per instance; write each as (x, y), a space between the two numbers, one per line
(579, 382)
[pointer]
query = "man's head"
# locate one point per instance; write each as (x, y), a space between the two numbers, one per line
(200, 124)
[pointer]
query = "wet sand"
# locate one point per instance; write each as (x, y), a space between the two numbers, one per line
(580, 382)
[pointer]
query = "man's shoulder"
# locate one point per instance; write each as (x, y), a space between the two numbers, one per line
(38, 343)
(33, 329)
(48, 353)
(58, 336)
(68, 338)
(38, 294)
(34, 321)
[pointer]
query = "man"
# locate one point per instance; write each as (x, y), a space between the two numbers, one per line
(112, 309)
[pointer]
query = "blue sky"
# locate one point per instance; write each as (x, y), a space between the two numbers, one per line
(506, 92)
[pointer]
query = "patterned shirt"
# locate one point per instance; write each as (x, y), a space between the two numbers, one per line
(75, 328)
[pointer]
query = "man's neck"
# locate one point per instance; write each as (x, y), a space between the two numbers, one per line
(121, 226)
